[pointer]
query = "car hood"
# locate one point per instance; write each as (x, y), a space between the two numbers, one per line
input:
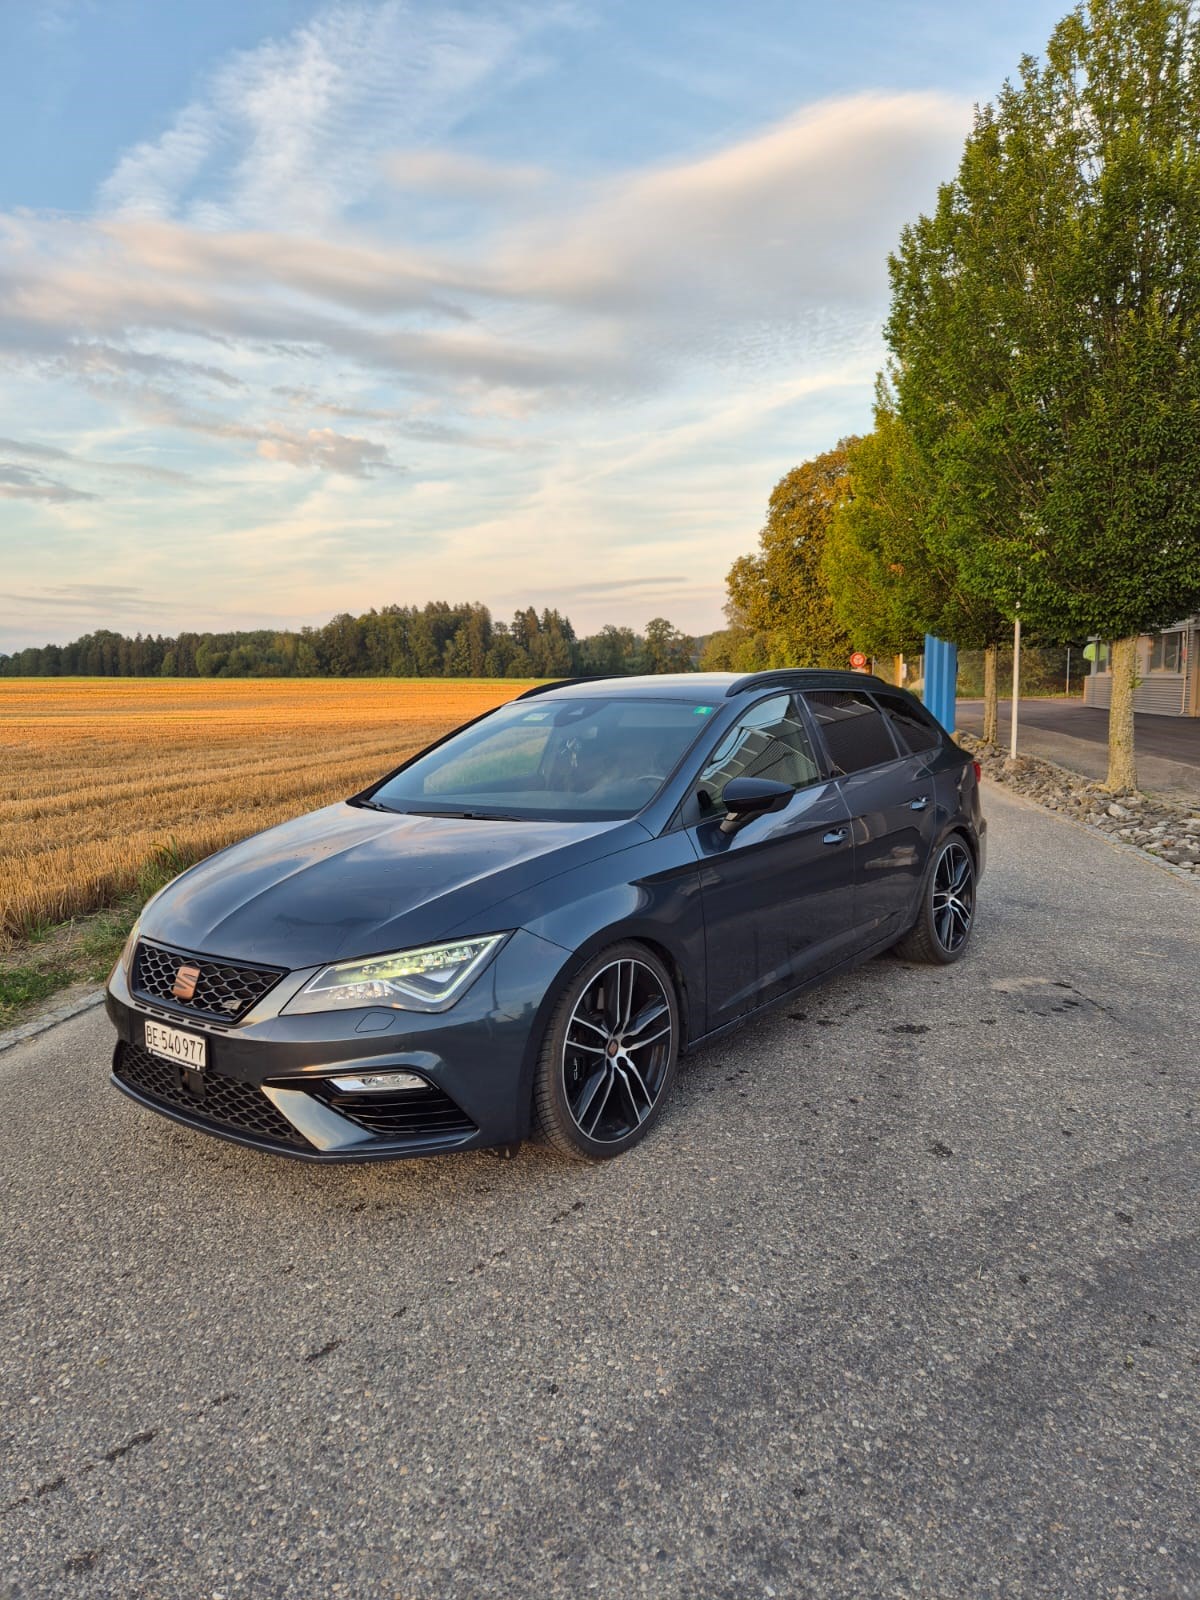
(344, 882)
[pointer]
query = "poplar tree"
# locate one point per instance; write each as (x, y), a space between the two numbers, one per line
(891, 574)
(1044, 326)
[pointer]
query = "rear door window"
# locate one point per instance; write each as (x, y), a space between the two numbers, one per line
(917, 729)
(855, 731)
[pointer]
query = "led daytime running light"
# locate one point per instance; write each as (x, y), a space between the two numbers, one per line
(430, 978)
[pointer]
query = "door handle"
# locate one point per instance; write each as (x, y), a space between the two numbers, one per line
(834, 837)
(919, 805)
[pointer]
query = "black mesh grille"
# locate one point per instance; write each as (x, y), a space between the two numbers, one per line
(204, 1096)
(411, 1114)
(223, 990)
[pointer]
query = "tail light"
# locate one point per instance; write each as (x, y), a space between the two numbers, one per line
(978, 771)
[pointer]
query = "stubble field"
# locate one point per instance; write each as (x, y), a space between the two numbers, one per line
(101, 778)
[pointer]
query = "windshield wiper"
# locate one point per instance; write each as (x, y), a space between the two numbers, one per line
(472, 816)
(374, 805)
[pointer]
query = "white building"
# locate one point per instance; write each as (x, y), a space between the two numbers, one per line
(1168, 672)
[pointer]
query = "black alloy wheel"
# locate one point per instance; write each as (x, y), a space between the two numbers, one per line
(953, 896)
(947, 913)
(609, 1055)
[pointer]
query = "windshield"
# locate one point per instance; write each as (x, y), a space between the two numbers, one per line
(552, 760)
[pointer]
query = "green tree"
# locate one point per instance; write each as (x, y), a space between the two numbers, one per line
(342, 639)
(733, 649)
(613, 652)
(1044, 322)
(888, 565)
(665, 648)
(780, 608)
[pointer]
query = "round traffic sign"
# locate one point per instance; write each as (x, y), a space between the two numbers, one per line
(858, 660)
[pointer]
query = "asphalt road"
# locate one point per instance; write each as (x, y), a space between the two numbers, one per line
(1076, 736)
(902, 1298)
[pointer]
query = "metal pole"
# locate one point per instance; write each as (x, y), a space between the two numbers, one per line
(1016, 683)
(1068, 670)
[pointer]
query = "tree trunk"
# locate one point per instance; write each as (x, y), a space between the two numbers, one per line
(1122, 764)
(991, 697)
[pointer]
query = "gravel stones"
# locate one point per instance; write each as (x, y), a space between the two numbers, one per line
(1166, 829)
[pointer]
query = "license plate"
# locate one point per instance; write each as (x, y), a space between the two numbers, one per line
(186, 1048)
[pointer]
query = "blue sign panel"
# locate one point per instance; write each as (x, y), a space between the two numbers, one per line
(941, 679)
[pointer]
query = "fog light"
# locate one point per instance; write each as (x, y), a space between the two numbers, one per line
(369, 1082)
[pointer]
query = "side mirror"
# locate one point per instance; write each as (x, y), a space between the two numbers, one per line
(747, 798)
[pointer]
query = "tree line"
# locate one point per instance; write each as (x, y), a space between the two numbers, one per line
(437, 640)
(1037, 429)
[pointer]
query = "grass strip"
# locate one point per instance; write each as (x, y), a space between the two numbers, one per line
(52, 957)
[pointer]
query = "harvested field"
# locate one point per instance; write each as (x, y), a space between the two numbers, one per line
(101, 777)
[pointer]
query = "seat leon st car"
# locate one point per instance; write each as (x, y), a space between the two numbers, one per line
(519, 930)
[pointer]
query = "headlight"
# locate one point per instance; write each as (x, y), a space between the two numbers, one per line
(429, 979)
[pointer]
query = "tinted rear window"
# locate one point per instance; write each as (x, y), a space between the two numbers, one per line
(912, 722)
(854, 729)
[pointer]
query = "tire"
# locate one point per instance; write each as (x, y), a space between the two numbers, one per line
(609, 1055)
(943, 927)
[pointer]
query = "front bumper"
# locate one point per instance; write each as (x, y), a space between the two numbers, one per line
(266, 1082)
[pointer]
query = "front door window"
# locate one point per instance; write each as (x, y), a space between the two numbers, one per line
(770, 741)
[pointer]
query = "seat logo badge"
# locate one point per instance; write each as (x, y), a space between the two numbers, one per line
(185, 983)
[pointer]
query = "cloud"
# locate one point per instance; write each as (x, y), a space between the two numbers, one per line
(334, 452)
(461, 177)
(150, 177)
(46, 452)
(322, 447)
(733, 257)
(615, 585)
(26, 483)
(107, 598)
(340, 453)
(799, 215)
(96, 359)
(295, 128)
(353, 274)
(58, 18)
(69, 291)
(578, 363)
(39, 452)
(410, 422)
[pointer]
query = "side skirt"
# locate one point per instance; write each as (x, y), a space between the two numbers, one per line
(848, 965)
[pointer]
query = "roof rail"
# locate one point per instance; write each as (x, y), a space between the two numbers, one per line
(567, 683)
(804, 677)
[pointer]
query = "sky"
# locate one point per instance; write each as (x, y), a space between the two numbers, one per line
(308, 308)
